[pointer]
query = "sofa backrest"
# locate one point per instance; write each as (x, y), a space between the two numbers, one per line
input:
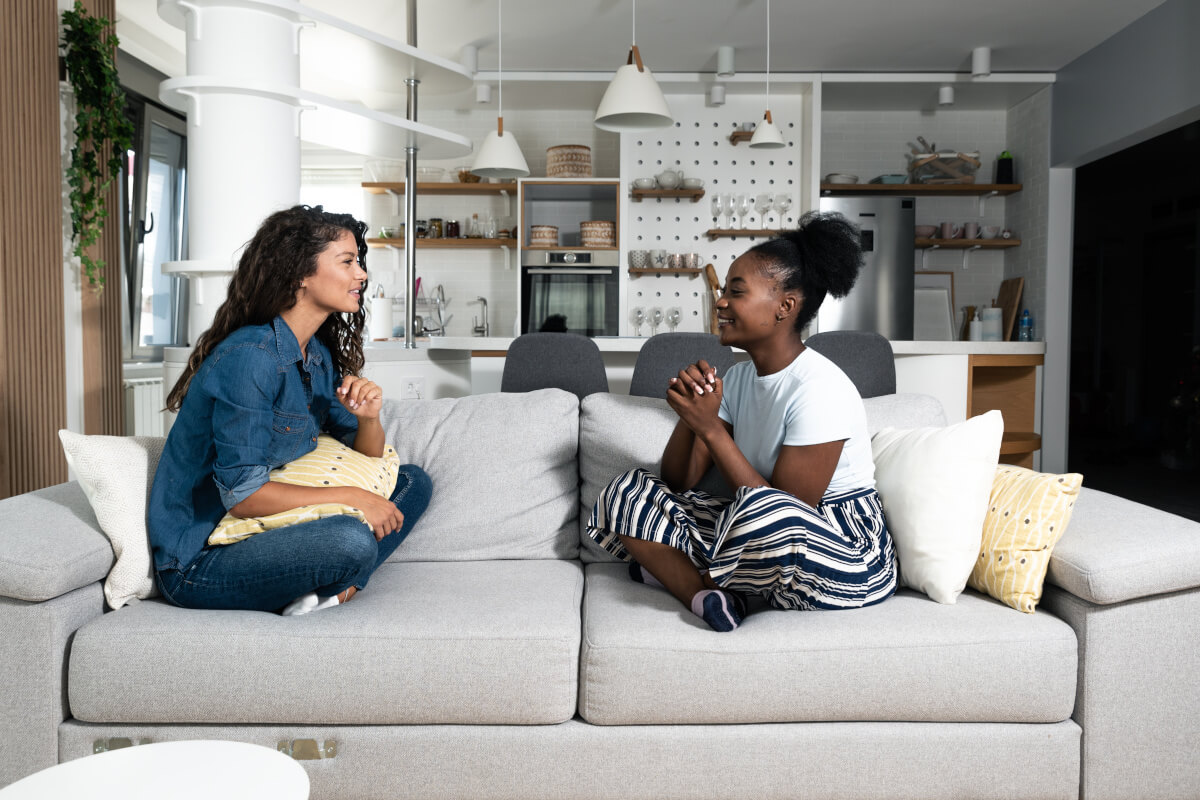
(620, 432)
(505, 474)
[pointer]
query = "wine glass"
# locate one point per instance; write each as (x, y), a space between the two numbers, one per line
(656, 318)
(727, 209)
(637, 315)
(741, 204)
(715, 203)
(783, 202)
(762, 204)
(674, 315)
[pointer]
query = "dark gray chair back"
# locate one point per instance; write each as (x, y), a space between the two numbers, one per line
(865, 357)
(663, 355)
(565, 361)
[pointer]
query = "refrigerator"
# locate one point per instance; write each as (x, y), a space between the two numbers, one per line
(882, 298)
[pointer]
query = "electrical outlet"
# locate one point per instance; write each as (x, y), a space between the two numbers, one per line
(412, 389)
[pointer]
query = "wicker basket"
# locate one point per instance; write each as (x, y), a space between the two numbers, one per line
(569, 161)
(598, 233)
(543, 236)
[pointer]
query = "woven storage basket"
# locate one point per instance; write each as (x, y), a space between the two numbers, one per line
(598, 233)
(569, 161)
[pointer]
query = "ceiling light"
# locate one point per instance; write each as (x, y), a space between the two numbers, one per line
(500, 156)
(946, 96)
(724, 61)
(469, 58)
(766, 135)
(981, 62)
(633, 101)
(483, 93)
(716, 94)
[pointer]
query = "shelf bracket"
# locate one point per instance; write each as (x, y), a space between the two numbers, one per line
(925, 249)
(983, 200)
(508, 256)
(507, 203)
(966, 252)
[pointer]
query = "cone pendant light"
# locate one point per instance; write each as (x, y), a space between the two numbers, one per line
(499, 156)
(766, 135)
(633, 101)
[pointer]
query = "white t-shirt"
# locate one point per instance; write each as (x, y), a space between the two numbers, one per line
(810, 401)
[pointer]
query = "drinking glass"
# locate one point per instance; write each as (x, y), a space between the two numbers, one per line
(741, 204)
(715, 204)
(783, 202)
(656, 318)
(674, 315)
(762, 204)
(727, 209)
(637, 315)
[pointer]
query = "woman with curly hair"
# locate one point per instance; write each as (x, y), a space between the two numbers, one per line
(278, 367)
(788, 432)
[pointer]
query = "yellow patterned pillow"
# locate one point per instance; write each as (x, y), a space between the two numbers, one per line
(330, 464)
(1027, 514)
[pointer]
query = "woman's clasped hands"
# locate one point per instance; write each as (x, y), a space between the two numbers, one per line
(695, 395)
(361, 397)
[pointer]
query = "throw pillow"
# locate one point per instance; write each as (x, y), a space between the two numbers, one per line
(935, 484)
(1027, 514)
(330, 464)
(115, 473)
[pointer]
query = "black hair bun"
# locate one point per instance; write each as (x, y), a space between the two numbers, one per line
(830, 249)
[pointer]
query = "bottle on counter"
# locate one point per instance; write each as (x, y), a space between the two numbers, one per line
(473, 227)
(1025, 328)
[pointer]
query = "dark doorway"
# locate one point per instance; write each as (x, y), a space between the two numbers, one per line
(1135, 323)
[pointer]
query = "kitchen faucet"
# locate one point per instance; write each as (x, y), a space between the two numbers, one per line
(480, 329)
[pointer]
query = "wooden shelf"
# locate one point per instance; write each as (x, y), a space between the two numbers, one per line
(694, 194)
(1017, 443)
(927, 189)
(438, 187)
(1007, 383)
(568, 247)
(665, 271)
(734, 233)
(740, 136)
(447, 244)
(964, 244)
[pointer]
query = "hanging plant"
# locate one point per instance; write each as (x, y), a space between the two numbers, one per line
(102, 131)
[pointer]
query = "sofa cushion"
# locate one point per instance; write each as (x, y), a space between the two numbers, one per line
(435, 643)
(504, 470)
(648, 660)
(620, 432)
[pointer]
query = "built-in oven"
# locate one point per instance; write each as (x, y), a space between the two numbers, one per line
(570, 290)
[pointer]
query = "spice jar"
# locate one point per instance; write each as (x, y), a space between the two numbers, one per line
(451, 229)
(435, 228)
(422, 229)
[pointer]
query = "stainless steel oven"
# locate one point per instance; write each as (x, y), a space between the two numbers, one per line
(572, 290)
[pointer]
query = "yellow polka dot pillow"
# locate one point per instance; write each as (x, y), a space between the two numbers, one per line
(1027, 514)
(330, 464)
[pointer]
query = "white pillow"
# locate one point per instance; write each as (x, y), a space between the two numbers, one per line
(115, 473)
(935, 484)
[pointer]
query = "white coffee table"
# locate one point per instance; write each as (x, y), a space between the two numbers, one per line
(188, 770)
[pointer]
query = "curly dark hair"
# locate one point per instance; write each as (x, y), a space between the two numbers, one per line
(823, 255)
(283, 253)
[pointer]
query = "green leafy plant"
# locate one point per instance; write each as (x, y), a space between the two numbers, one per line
(102, 131)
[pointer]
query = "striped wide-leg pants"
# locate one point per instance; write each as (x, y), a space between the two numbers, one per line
(764, 541)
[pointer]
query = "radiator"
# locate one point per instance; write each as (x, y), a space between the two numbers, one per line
(143, 407)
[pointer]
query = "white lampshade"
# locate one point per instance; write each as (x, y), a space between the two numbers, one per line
(725, 61)
(633, 101)
(716, 94)
(946, 95)
(981, 62)
(766, 135)
(500, 156)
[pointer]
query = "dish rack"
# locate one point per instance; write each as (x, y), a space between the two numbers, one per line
(945, 167)
(430, 309)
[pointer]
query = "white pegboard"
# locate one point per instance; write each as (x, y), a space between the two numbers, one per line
(698, 145)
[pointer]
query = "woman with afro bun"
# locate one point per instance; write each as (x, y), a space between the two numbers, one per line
(788, 432)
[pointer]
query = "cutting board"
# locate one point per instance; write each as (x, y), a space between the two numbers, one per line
(714, 292)
(1009, 300)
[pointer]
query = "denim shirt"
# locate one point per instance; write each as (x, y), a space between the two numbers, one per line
(254, 404)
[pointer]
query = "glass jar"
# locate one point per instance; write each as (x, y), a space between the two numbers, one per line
(422, 229)
(452, 229)
(436, 230)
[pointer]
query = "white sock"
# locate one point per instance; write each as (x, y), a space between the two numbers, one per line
(307, 603)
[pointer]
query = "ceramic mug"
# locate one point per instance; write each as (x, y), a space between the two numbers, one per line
(970, 230)
(638, 258)
(675, 260)
(989, 231)
(691, 260)
(658, 258)
(950, 230)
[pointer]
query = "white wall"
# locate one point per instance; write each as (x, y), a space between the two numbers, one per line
(1028, 137)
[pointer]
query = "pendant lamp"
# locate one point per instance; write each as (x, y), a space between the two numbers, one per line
(499, 156)
(766, 135)
(633, 101)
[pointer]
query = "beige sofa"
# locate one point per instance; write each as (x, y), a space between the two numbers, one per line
(497, 656)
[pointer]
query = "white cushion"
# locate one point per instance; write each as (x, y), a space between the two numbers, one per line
(935, 483)
(115, 473)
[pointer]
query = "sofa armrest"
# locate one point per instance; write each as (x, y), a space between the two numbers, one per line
(50, 544)
(1116, 550)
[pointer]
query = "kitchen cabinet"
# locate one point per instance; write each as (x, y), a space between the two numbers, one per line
(565, 203)
(1008, 383)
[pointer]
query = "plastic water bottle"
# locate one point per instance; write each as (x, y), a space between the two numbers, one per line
(1025, 328)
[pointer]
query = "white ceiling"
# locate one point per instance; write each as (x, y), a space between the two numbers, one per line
(681, 36)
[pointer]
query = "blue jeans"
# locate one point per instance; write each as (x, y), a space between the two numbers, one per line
(273, 568)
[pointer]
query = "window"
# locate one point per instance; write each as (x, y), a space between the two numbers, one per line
(154, 210)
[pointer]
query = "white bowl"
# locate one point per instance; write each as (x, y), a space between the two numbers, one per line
(838, 177)
(692, 183)
(644, 183)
